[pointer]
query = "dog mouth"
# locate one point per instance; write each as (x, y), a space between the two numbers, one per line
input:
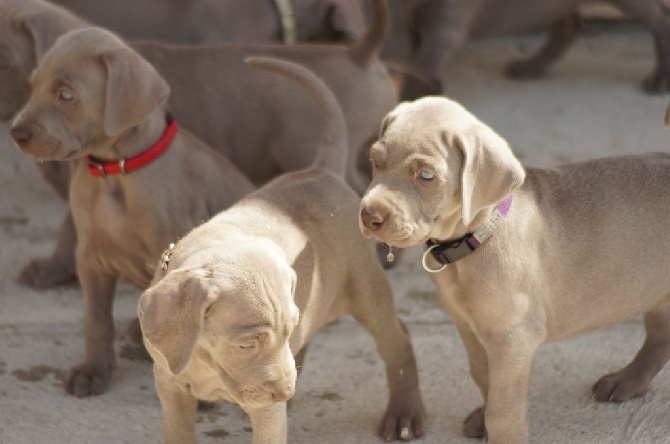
(51, 153)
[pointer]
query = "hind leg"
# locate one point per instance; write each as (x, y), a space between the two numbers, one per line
(372, 306)
(563, 32)
(633, 380)
(59, 268)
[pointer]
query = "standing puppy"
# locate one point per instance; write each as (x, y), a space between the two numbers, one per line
(522, 257)
(439, 28)
(139, 182)
(239, 296)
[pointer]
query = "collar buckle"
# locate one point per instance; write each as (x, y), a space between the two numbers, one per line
(97, 165)
(448, 252)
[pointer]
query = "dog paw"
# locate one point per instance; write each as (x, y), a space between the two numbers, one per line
(657, 83)
(403, 422)
(88, 380)
(47, 273)
(524, 70)
(473, 425)
(619, 387)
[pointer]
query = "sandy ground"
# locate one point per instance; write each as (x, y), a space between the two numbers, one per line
(589, 106)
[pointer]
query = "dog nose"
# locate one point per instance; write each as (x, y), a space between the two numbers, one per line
(372, 219)
(21, 135)
(282, 391)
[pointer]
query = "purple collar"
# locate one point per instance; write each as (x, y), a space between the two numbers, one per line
(450, 251)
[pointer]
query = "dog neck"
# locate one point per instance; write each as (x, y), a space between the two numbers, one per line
(102, 168)
(449, 251)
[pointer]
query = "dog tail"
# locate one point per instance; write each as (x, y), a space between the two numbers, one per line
(371, 44)
(332, 153)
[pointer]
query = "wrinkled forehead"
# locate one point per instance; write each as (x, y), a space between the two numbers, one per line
(424, 127)
(430, 115)
(74, 52)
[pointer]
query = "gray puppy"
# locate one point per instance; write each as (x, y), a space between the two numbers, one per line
(234, 300)
(524, 256)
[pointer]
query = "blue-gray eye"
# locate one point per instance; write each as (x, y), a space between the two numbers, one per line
(4, 64)
(65, 95)
(425, 175)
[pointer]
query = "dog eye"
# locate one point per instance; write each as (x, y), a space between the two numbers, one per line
(247, 346)
(425, 175)
(3, 63)
(65, 95)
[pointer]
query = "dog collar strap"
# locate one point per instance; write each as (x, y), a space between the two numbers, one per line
(448, 252)
(103, 168)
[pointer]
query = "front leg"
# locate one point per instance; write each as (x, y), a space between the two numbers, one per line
(269, 424)
(178, 412)
(473, 425)
(373, 307)
(92, 376)
(510, 360)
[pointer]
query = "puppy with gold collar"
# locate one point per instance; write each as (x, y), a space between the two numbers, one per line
(238, 297)
(524, 256)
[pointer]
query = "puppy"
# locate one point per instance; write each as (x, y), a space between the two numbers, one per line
(239, 296)
(439, 28)
(524, 256)
(138, 183)
(210, 95)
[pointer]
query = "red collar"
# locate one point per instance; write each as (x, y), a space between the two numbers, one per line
(103, 168)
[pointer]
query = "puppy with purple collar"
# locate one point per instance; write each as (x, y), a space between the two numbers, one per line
(523, 256)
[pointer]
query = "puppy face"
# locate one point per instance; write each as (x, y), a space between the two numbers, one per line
(227, 325)
(86, 91)
(435, 169)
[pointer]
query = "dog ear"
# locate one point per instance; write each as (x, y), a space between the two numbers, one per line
(172, 316)
(490, 170)
(134, 90)
(44, 28)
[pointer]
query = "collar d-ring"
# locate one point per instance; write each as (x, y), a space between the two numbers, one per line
(425, 263)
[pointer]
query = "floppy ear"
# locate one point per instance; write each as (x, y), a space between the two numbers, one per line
(172, 315)
(489, 172)
(134, 90)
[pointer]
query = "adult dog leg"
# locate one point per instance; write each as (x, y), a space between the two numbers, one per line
(655, 16)
(563, 32)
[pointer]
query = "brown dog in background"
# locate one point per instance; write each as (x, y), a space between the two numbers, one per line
(217, 21)
(439, 28)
